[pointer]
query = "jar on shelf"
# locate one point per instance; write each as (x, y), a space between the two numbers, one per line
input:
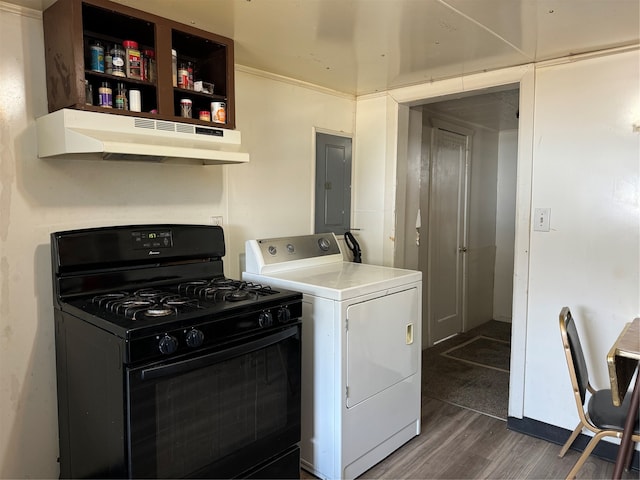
(97, 56)
(120, 100)
(118, 61)
(132, 59)
(105, 95)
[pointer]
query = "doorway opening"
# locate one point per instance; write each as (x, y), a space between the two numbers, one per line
(460, 211)
(463, 152)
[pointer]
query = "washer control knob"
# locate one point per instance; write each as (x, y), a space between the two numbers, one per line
(284, 314)
(194, 338)
(168, 344)
(324, 244)
(265, 319)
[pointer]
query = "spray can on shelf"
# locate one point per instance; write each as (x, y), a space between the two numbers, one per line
(97, 57)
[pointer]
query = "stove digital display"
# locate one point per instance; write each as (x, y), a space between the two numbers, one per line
(152, 239)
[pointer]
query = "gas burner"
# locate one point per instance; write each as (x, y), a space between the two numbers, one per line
(157, 311)
(237, 295)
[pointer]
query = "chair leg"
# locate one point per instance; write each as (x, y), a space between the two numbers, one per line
(570, 441)
(629, 456)
(585, 454)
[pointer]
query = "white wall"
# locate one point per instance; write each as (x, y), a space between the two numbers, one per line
(587, 171)
(505, 217)
(271, 195)
(579, 157)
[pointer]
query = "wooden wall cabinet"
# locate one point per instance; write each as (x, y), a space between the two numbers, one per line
(70, 28)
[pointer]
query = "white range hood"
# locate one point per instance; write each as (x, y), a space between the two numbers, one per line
(88, 135)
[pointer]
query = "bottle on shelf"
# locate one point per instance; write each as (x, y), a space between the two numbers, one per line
(108, 61)
(88, 93)
(149, 65)
(190, 75)
(174, 63)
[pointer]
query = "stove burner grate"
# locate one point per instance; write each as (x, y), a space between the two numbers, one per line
(146, 303)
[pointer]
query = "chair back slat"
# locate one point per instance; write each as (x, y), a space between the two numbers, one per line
(579, 369)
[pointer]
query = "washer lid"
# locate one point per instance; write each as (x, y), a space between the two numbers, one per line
(340, 280)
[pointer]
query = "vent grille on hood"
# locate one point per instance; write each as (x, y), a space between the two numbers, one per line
(82, 134)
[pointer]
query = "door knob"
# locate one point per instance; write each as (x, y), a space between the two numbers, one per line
(462, 249)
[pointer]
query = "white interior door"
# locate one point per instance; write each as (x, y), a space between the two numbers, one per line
(446, 245)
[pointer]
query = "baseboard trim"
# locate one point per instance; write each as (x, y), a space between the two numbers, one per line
(551, 433)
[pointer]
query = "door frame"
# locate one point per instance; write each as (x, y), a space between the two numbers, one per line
(524, 76)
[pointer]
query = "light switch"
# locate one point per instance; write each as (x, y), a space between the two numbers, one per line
(541, 220)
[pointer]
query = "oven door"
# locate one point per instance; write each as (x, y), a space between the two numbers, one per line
(218, 414)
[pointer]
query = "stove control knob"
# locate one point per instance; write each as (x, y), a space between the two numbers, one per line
(194, 338)
(265, 319)
(284, 314)
(168, 344)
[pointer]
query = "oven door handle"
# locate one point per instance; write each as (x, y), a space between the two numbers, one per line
(216, 357)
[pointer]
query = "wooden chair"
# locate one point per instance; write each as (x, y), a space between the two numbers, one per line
(602, 417)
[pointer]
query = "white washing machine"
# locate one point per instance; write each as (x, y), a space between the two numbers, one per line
(361, 351)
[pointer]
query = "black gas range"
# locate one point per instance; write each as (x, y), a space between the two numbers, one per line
(166, 368)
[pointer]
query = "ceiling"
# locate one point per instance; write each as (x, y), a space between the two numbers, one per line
(359, 47)
(364, 46)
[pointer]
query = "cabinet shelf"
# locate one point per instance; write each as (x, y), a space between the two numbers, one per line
(71, 26)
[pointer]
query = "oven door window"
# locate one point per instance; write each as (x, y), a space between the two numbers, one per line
(218, 414)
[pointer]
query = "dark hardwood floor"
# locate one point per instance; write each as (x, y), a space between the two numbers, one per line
(457, 443)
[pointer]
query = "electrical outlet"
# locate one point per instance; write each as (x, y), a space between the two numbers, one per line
(216, 220)
(541, 219)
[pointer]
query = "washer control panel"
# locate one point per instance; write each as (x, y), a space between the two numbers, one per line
(286, 249)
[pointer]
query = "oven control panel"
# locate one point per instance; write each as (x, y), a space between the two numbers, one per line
(152, 239)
